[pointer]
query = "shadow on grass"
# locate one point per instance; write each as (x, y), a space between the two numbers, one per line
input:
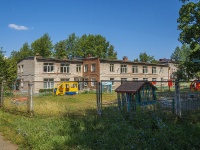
(118, 130)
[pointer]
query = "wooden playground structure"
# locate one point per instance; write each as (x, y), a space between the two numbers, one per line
(133, 94)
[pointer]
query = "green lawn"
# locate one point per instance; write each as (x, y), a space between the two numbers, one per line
(70, 122)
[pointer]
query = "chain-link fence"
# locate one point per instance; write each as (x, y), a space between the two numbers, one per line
(179, 98)
(81, 98)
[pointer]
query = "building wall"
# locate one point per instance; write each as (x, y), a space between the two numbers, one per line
(25, 73)
(90, 75)
(34, 66)
(106, 74)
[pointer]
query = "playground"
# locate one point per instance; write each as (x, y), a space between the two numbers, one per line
(132, 97)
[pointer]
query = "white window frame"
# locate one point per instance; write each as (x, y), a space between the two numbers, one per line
(153, 70)
(78, 68)
(145, 69)
(93, 83)
(93, 67)
(48, 83)
(134, 69)
(86, 68)
(22, 68)
(111, 67)
(86, 81)
(48, 67)
(123, 68)
(135, 79)
(21, 83)
(64, 68)
(154, 79)
(145, 79)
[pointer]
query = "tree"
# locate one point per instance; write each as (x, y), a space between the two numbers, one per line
(11, 70)
(189, 25)
(43, 46)
(143, 57)
(72, 46)
(2, 64)
(97, 46)
(25, 51)
(60, 49)
(180, 56)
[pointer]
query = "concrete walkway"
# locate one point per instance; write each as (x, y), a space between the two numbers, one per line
(6, 145)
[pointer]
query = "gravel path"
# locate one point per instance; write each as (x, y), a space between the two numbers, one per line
(6, 145)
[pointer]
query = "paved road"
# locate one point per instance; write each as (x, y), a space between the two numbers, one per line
(6, 145)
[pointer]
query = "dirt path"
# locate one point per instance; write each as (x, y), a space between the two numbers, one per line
(6, 145)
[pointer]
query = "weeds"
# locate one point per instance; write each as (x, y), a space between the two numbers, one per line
(71, 122)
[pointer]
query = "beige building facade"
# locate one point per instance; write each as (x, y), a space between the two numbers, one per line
(45, 73)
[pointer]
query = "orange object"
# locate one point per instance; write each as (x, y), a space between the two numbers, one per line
(195, 85)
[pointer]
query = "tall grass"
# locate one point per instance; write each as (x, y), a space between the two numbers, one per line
(70, 122)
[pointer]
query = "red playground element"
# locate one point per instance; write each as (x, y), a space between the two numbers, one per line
(195, 85)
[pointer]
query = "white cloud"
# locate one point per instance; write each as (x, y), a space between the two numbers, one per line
(17, 27)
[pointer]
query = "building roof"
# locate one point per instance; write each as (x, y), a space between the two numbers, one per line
(133, 87)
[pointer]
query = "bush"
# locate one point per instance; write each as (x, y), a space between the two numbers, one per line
(45, 90)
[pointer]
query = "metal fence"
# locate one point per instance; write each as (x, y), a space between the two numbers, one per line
(171, 97)
(99, 96)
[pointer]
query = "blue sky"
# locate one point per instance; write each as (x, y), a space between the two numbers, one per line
(131, 26)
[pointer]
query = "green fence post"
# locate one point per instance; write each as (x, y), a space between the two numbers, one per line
(177, 99)
(1, 95)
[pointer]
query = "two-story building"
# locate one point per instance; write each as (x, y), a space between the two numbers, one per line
(45, 73)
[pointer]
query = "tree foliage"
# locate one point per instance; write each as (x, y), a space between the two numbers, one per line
(143, 57)
(95, 45)
(2, 64)
(189, 25)
(43, 46)
(181, 54)
(60, 49)
(181, 57)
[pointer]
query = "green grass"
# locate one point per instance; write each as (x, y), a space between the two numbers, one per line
(74, 125)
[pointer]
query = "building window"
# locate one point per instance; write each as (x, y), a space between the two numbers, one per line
(153, 79)
(22, 83)
(19, 69)
(134, 69)
(123, 80)
(161, 70)
(22, 68)
(153, 70)
(64, 79)
(93, 67)
(78, 68)
(135, 79)
(48, 67)
(112, 80)
(123, 68)
(145, 69)
(48, 83)
(64, 68)
(93, 82)
(145, 79)
(86, 68)
(111, 67)
(86, 82)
